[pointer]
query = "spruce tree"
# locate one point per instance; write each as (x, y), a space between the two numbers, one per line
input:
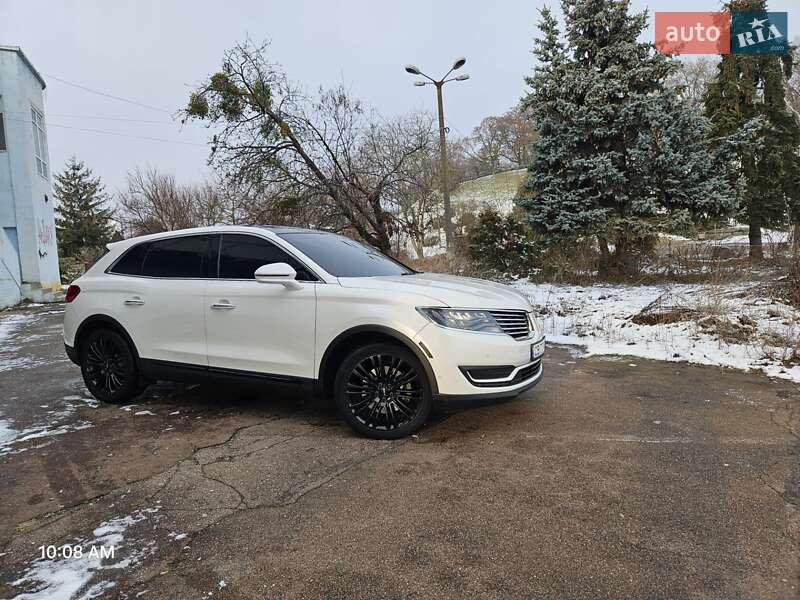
(618, 153)
(83, 221)
(749, 91)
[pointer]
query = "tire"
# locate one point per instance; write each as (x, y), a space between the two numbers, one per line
(382, 391)
(109, 367)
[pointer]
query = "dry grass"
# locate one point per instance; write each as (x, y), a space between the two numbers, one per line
(731, 330)
(782, 346)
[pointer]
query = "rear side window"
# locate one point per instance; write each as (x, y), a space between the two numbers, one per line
(131, 261)
(241, 255)
(181, 258)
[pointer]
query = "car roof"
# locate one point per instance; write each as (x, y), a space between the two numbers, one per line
(276, 229)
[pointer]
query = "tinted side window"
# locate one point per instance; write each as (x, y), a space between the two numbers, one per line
(131, 261)
(241, 255)
(183, 257)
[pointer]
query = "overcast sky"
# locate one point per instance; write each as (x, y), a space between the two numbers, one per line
(154, 51)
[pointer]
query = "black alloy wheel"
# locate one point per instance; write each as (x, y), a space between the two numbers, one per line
(382, 391)
(109, 367)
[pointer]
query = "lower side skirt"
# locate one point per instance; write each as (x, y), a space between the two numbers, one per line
(155, 370)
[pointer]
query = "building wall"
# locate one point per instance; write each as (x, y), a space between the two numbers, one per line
(26, 202)
(10, 284)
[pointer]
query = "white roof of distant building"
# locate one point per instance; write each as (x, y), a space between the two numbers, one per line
(27, 62)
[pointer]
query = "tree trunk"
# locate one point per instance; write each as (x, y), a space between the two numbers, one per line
(756, 249)
(796, 242)
(605, 255)
(419, 248)
(383, 241)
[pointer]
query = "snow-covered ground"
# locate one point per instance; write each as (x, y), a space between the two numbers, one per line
(768, 236)
(599, 318)
(57, 418)
(13, 328)
(71, 576)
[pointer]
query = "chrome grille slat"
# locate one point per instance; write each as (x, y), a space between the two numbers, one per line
(512, 322)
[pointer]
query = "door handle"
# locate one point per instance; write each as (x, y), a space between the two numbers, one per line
(135, 301)
(223, 306)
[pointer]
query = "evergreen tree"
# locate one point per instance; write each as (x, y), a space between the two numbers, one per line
(749, 91)
(83, 222)
(618, 153)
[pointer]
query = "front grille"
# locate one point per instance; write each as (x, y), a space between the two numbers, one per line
(513, 322)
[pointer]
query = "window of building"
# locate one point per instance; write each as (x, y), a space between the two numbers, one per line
(39, 143)
(241, 255)
(2, 134)
(180, 258)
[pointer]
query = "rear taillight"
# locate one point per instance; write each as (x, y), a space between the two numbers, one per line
(72, 293)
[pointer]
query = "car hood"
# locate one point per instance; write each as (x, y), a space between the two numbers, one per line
(449, 290)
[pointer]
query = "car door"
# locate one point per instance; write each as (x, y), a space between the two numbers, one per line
(161, 301)
(259, 327)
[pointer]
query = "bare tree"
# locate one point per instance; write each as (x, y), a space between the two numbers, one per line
(155, 202)
(417, 196)
(326, 151)
(692, 77)
(502, 142)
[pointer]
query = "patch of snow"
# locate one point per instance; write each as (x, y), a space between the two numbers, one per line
(7, 433)
(598, 318)
(145, 412)
(11, 353)
(673, 237)
(54, 422)
(12, 323)
(75, 577)
(768, 236)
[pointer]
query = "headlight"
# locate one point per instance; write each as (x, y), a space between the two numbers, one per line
(471, 320)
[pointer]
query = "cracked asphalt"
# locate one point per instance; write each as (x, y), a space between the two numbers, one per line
(619, 478)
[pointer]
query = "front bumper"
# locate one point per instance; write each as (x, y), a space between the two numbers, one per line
(456, 401)
(470, 365)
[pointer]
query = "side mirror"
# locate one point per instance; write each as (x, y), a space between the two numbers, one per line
(278, 273)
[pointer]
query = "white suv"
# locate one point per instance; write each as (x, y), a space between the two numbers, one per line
(295, 305)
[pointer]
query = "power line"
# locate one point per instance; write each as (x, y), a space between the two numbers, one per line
(97, 118)
(64, 115)
(113, 97)
(117, 134)
(136, 137)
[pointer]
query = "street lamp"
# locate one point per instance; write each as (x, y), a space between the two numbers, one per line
(414, 70)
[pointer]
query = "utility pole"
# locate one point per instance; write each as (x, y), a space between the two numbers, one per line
(439, 83)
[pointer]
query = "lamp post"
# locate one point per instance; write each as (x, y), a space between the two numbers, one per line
(439, 83)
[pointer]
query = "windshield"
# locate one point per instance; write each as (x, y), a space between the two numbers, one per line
(342, 257)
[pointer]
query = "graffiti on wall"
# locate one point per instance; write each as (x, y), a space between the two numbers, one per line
(46, 235)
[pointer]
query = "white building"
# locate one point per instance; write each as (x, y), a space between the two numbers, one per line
(28, 252)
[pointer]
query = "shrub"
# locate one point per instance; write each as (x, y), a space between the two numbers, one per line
(499, 244)
(72, 267)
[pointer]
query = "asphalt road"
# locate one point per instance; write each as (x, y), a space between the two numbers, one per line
(618, 478)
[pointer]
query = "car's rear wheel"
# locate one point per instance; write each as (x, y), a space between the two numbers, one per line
(382, 391)
(109, 367)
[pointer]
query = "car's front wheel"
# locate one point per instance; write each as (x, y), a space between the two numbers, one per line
(109, 367)
(382, 391)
